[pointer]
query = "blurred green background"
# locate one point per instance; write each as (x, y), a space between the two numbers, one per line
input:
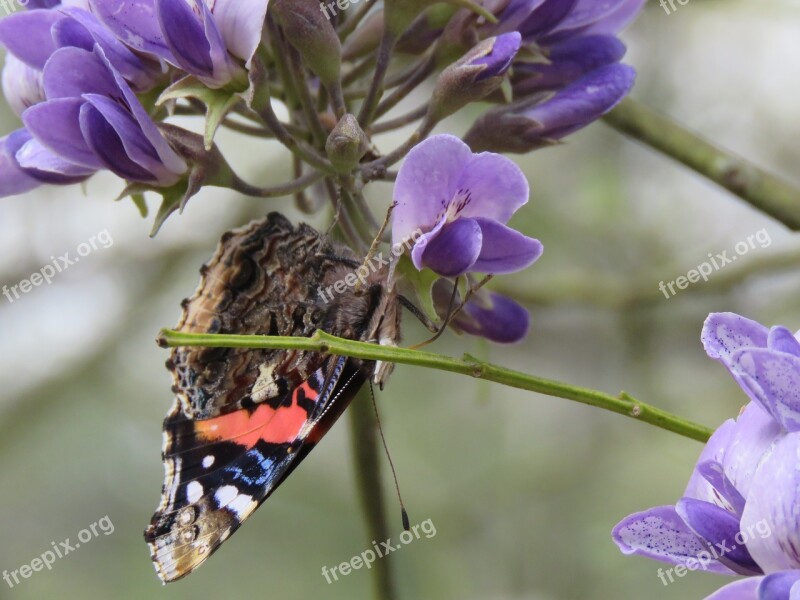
(522, 489)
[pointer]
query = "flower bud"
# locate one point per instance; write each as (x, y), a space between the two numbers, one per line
(532, 124)
(366, 38)
(308, 30)
(487, 314)
(474, 76)
(427, 29)
(347, 144)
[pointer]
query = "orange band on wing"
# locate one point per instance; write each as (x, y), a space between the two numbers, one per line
(277, 426)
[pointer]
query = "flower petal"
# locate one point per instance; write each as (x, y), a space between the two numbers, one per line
(426, 183)
(241, 22)
(661, 534)
(772, 379)
(505, 250)
(617, 20)
(170, 159)
(107, 145)
(753, 435)
(496, 186)
(728, 497)
(720, 529)
(546, 16)
(725, 333)
(22, 85)
(55, 124)
(588, 13)
(778, 586)
(13, 179)
(714, 451)
(580, 103)
(770, 516)
(454, 250)
(137, 146)
(135, 23)
(569, 60)
(744, 589)
(499, 59)
(188, 42)
(495, 317)
(47, 167)
(126, 62)
(27, 35)
(781, 339)
(71, 72)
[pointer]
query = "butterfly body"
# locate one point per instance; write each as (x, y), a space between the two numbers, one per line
(243, 419)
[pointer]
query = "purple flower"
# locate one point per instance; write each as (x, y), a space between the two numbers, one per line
(32, 37)
(530, 124)
(486, 314)
(212, 34)
(461, 202)
(567, 38)
(567, 75)
(90, 120)
(96, 121)
(738, 514)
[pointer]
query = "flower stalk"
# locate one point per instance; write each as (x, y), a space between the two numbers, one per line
(623, 404)
(762, 190)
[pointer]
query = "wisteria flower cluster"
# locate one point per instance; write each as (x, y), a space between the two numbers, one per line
(97, 82)
(97, 85)
(739, 512)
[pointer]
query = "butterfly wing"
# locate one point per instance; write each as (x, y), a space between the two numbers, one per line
(219, 470)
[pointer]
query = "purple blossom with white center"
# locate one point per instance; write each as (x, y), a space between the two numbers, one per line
(212, 39)
(738, 513)
(461, 202)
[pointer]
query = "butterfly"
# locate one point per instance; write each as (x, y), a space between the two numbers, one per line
(244, 419)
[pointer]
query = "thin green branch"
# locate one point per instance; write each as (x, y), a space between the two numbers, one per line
(468, 365)
(761, 189)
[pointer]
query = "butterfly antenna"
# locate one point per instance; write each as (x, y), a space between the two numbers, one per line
(403, 512)
(376, 242)
(453, 310)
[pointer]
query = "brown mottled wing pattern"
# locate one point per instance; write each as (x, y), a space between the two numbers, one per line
(263, 279)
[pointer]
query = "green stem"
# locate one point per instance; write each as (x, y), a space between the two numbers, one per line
(366, 453)
(286, 189)
(468, 365)
(761, 189)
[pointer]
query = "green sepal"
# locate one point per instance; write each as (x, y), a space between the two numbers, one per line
(218, 102)
(422, 282)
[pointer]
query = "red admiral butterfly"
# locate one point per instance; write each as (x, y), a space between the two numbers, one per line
(243, 419)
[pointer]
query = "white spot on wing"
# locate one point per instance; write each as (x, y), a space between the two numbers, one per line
(194, 491)
(225, 495)
(228, 496)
